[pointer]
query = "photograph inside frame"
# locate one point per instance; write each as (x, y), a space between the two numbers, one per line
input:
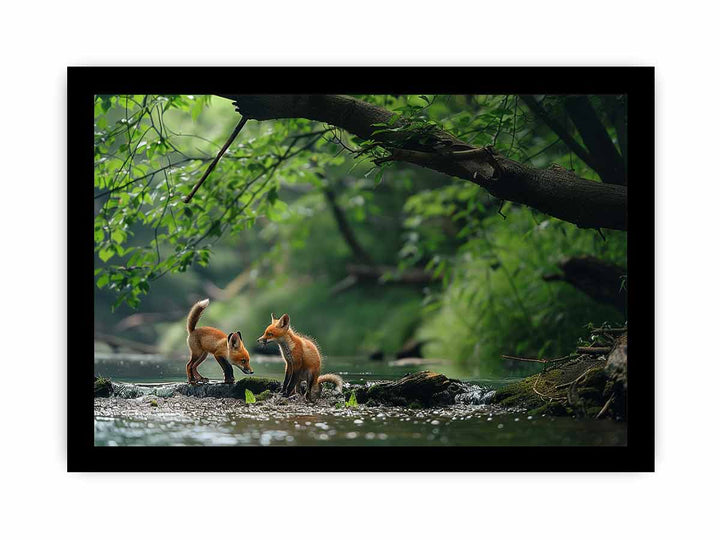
(365, 270)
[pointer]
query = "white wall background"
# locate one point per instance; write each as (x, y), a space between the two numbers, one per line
(40, 39)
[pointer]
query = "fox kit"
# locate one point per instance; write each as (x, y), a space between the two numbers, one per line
(302, 358)
(228, 349)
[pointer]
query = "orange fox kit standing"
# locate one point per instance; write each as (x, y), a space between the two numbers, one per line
(226, 348)
(302, 358)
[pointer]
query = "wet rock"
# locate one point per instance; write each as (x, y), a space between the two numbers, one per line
(103, 387)
(616, 367)
(132, 391)
(425, 387)
(477, 395)
(257, 385)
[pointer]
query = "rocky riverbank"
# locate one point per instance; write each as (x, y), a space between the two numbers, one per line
(584, 385)
(417, 390)
(591, 384)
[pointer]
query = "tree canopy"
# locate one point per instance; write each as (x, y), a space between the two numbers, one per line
(476, 198)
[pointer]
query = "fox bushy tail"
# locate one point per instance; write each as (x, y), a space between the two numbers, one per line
(195, 313)
(331, 377)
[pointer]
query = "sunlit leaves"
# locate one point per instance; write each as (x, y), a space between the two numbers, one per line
(151, 150)
(146, 163)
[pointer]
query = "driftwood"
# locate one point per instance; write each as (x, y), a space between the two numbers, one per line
(594, 350)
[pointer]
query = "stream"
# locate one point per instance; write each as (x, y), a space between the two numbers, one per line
(150, 420)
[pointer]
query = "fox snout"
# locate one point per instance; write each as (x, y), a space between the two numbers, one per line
(262, 339)
(247, 370)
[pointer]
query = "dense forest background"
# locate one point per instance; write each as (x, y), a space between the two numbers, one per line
(370, 254)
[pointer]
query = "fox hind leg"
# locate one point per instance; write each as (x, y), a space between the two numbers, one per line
(313, 388)
(189, 368)
(196, 363)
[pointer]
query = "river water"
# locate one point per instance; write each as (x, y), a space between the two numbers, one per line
(182, 420)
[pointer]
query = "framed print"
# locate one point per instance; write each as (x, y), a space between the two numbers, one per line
(361, 269)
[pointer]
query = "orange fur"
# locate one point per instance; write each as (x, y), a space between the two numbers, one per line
(228, 349)
(302, 358)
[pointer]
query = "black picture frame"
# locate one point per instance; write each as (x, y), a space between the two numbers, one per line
(636, 82)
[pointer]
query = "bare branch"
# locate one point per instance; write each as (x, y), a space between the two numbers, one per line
(210, 169)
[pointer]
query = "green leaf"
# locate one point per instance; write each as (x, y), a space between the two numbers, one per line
(378, 177)
(118, 236)
(106, 254)
(103, 280)
(249, 396)
(352, 402)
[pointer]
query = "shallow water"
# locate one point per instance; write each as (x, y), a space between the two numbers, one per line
(156, 368)
(182, 420)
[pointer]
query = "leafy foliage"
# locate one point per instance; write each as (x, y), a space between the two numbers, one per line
(262, 218)
(144, 167)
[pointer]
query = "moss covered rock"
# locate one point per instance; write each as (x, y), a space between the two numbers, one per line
(581, 386)
(103, 387)
(426, 388)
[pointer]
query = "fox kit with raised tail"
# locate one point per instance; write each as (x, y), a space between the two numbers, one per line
(228, 349)
(302, 358)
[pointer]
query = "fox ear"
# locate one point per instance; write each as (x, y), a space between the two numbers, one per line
(284, 321)
(273, 318)
(239, 334)
(233, 340)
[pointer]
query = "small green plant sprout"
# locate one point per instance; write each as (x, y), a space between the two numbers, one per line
(352, 402)
(249, 396)
(262, 396)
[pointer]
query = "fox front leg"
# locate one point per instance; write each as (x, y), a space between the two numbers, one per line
(227, 370)
(288, 376)
(292, 383)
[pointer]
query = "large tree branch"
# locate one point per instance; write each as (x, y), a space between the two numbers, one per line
(597, 140)
(554, 191)
(600, 280)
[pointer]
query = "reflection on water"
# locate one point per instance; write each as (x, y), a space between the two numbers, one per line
(185, 420)
(182, 420)
(156, 368)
